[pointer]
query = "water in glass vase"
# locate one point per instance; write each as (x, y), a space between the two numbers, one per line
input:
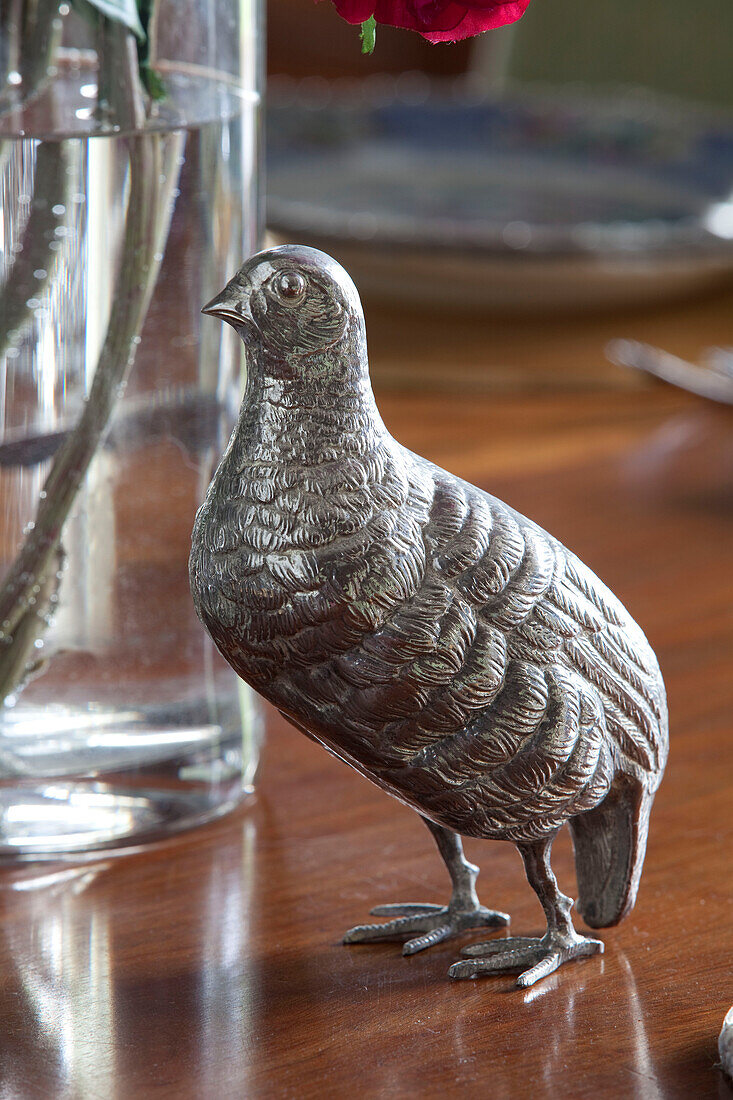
(120, 722)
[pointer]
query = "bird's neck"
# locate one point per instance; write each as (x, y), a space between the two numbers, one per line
(307, 464)
(308, 420)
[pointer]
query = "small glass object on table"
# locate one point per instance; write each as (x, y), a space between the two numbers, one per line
(129, 194)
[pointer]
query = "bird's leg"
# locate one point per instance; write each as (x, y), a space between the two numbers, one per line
(434, 923)
(559, 944)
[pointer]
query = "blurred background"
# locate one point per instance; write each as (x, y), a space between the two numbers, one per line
(669, 45)
(567, 180)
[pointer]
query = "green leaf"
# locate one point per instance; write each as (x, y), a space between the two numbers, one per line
(121, 11)
(154, 85)
(368, 35)
(151, 79)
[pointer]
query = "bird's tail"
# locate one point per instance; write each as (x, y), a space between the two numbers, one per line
(610, 844)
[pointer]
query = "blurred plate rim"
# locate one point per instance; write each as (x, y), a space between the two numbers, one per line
(635, 244)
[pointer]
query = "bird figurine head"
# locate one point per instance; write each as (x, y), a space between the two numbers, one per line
(291, 303)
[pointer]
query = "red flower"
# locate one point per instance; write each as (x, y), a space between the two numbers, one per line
(436, 20)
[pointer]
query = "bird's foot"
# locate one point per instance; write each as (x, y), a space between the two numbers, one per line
(434, 923)
(542, 956)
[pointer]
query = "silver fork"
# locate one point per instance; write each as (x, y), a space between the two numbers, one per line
(712, 378)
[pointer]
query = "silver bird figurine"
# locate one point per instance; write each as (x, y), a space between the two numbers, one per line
(421, 630)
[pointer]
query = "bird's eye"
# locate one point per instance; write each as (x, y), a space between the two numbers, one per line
(290, 286)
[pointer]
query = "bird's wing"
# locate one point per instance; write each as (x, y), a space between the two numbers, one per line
(415, 680)
(505, 737)
(442, 663)
(550, 607)
(601, 641)
(545, 664)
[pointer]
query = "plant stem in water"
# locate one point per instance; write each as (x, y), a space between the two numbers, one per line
(34, 255)
(26, 591)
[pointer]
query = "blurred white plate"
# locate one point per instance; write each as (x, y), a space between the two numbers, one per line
(521, 202)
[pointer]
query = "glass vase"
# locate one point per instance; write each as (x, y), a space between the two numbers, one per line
(128, 196)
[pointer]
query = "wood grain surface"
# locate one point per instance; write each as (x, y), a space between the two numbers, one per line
(210, 966)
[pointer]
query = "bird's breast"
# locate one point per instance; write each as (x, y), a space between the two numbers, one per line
(292, 562)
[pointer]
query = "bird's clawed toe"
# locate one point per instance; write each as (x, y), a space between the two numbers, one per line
(432, 923)
(406, 909)
(540, 956)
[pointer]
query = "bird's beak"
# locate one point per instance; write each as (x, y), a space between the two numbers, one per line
(231, 306)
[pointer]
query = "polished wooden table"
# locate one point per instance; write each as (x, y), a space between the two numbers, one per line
(210, 966)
